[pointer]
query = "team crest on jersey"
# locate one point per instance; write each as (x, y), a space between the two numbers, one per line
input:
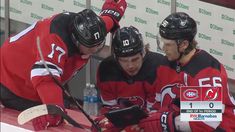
(128, 101)
(169, 93)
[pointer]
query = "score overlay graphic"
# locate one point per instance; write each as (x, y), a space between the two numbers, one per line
(200, 103)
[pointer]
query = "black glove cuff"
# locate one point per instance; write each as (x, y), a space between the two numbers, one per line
(112, 13)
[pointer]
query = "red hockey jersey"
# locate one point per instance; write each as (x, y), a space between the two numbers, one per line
(22, 70)
(201, 70)
(115, 85)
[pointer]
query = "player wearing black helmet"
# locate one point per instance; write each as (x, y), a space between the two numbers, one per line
(181, 28)
(66, 40)
(127, 42)
(128, 77)
(188, 66)
(88, 29)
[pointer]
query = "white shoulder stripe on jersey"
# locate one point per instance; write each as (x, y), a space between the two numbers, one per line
(16, 37)
(49, 63)
(110, 102)
(43, 72)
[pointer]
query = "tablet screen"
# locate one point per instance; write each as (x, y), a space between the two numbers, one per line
(126, 116)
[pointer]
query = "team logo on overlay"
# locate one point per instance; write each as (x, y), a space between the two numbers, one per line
(190, 94)
(212, 94)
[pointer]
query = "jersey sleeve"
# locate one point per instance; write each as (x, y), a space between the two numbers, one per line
(228, 111)
(157, 87)
(152, 103)
(54, 54)
(107, 94)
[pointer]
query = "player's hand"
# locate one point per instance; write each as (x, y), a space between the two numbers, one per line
(42, 122)
(105, 125)
(132, 128)
(158, 122)
(174, 107)
(114, 9)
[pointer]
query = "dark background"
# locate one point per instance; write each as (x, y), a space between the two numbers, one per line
(225, 3)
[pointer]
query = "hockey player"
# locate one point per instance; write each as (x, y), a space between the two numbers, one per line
(129, 75)
(67, 40)
(188, 66)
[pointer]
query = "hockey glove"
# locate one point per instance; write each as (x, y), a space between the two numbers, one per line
(115, 10)
(42, 122)
(158, 122)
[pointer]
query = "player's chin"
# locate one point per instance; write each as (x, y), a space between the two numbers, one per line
(132, 73)
(170, 58)
(85, 56)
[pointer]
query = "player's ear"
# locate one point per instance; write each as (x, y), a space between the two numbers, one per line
(183, 45)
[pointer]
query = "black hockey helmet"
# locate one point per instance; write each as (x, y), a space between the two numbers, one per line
(88, 29)
(127, 41)
(178, 26)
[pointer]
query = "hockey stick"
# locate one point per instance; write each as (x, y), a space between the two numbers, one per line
(44, 109)
(63, 88)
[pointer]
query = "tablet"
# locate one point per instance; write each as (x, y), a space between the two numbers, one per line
(126, 116)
